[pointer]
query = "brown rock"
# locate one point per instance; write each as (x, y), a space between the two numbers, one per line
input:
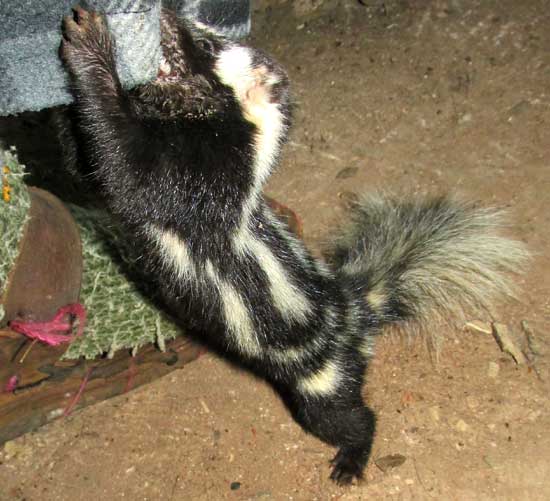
(508, 342)
(389, 462)
(347, 172)
(48, 270)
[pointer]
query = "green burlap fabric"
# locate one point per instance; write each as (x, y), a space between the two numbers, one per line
(14, 211)
(120, 315)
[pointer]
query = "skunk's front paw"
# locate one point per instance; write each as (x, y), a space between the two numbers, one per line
(86, 43)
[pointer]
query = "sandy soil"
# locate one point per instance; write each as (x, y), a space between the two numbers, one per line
(432, 95)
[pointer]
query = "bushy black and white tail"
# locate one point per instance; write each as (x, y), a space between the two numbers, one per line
(425, 261)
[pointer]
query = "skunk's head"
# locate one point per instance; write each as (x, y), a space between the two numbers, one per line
(202, 74)
(188, 51)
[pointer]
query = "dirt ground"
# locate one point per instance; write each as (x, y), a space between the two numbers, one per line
(429, 95)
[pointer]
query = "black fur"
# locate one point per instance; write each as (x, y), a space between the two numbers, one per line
(177, 160)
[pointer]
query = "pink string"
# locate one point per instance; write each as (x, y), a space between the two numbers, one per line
(76, 398)
(54, 332)
(11, 385)
(132, 373)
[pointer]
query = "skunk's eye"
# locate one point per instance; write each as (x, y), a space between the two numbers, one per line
(205, 44)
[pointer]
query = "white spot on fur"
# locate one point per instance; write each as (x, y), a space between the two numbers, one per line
(287, 356)
(377, 298)
(236, 314)
(288, 299)
(322, 382)
(174, 252)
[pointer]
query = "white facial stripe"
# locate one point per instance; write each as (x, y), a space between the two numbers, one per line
(269, 121)
(237, 316)
(288, 299)
(322, 382)
(235, 69)
(174, 252)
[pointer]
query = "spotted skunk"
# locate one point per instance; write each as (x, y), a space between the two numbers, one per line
(182, 162)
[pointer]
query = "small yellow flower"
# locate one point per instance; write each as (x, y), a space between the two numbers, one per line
(6, 189)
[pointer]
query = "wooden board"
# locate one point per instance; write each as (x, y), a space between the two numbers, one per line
(47, 386)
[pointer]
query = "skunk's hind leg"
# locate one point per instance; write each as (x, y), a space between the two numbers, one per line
(338, 417)
(354, 435)
(345, 423)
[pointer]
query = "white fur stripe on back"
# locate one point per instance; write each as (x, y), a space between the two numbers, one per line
(174, 252)
(236, 314)
(287, 298)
